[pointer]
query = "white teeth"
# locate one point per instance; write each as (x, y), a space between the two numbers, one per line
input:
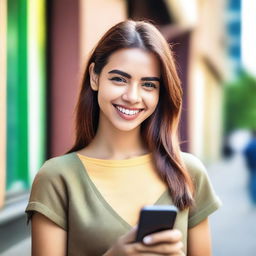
(127, 111)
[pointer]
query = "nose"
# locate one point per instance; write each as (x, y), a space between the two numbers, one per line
(132, 94)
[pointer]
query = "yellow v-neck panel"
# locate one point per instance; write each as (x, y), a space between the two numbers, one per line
(126, 185)
(117, 163)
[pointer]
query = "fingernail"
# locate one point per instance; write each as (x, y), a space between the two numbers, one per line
(147, 240)
(176, 232)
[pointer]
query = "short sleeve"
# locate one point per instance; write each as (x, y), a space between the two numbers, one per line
(205, 199)
(48, 195)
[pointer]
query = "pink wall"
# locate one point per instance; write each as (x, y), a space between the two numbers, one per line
(63, 72)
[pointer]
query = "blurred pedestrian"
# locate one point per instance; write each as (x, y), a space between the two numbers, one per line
(250, 158)
(227, 150)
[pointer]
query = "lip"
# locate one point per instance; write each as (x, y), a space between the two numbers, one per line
(127, 117)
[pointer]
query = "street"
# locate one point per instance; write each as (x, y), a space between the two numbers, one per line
(234, 224)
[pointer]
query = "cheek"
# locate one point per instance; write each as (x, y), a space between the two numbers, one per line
(102, 99)
(153, 101)
(106, 95)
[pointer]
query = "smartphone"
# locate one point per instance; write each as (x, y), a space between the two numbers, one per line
(155, 218)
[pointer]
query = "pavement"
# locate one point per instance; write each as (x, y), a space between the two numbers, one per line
(21, 249)
(233, 225)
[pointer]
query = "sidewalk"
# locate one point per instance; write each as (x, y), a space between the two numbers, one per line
(234, 225)
(21, 249)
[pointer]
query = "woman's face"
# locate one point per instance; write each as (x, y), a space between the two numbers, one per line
(128, 88)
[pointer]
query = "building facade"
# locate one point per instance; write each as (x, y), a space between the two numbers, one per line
(44, 45)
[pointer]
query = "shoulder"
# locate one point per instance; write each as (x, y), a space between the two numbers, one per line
(58, 166)
(194, 166)
(200, 178)
(60, 161)
(205, 199)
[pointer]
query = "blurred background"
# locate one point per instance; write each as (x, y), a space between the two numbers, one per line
(43, 50)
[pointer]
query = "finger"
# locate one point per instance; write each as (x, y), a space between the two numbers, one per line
(162, 249)
(167, 236)
(131, 249)
(130, 236)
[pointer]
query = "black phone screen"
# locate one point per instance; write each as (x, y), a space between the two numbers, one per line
(154, 219)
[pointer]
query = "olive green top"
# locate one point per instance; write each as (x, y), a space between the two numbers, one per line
(63, 192)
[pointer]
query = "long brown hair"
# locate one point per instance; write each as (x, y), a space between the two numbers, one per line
(160, 130)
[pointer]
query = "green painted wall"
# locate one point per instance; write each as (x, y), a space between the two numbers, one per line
(17, 119)
(26, 76)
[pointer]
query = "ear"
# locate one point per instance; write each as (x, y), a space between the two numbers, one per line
(93, 77)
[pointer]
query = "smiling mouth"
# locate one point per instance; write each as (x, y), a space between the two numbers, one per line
(126, 111)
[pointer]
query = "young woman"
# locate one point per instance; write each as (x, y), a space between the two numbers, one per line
(126, 155)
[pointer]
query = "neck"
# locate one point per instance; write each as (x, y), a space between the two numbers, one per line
(115, 144)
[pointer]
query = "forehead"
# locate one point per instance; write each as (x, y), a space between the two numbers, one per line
(135, 61)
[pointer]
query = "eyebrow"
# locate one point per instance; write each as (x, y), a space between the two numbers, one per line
(119, 72)
(122, 73)
(153, 78)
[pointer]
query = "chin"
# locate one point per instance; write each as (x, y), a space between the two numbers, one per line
(127, 127)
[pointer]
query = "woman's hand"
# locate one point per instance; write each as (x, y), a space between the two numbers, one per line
(160, 243)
